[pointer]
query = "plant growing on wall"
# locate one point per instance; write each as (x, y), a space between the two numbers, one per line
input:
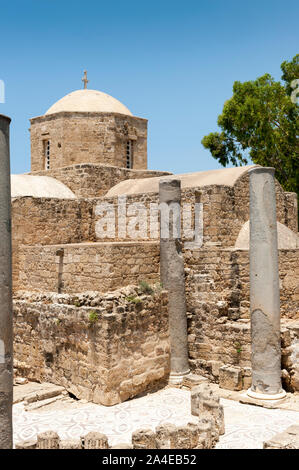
(145, 288)
(133, 299)
(93, 317)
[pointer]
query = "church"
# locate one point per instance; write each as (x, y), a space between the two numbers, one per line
(90, 313)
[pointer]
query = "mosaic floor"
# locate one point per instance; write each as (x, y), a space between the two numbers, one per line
(246, 426)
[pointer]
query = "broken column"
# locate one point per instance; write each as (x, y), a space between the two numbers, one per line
(6, 361)
(173, 275)
(264, 287)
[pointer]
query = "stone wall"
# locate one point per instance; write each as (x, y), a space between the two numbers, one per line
(86, 266)
(102, 348)
(43, 221)
(88, 180)
(217, 275)
(217, 289)
(225, 210)
(88, 138)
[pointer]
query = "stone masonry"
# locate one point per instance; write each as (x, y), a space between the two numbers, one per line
(88, 138)
(102, 348)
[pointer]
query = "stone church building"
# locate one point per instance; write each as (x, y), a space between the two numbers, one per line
(90, 312)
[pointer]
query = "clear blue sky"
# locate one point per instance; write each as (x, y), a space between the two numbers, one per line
(171, 62)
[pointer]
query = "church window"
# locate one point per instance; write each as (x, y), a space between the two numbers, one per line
(129, 154)
(47, 154)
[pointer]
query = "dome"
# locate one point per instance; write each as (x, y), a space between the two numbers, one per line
(222, 177)
(39, 186)
(89, 101)
(287, 239)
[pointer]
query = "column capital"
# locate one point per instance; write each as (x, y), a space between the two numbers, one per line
(5, 118)
(262, 169)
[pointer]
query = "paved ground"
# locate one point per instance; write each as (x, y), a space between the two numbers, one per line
(247, 426)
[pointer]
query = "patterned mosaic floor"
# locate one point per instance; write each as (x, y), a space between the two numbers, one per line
(246, 426)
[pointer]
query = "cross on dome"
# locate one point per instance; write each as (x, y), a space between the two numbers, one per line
(84, 79)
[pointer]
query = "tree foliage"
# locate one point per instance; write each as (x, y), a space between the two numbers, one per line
(260, 122)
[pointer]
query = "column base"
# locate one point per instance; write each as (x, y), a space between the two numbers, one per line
(177, 379)
(264, 396)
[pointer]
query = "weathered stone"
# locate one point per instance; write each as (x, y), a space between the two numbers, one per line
(68, 327)
(192, 380)
(144, 439)
(70, 444)
(264, 284)
(95, 440)
(173, 276)
(30, 444)
(48, 440)
(231, 377)
(104, 134)
(289, 439)
(6, 333)
(184, 437)
(166, 436)
(205, 404)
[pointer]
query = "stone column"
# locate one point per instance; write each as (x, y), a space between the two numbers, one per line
(173, 276)
(264, 287)
(6, 364)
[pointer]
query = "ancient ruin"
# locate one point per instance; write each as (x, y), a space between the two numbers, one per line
(6, 346)
(109, 308)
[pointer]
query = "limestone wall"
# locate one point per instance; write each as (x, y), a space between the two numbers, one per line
(217, 289)
(88, 180)
(103, 348)
(43, 221)
(83, 267)
(88, 137)
(225, 210)
(218, 275)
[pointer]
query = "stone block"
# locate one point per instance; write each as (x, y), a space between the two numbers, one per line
(70, 444)
(165, 436)
(288, 439)
(206, 404)
(231, 378)
(192, 380)
(30, 444)
(95, 440)
(144, 439)
(48, 440)
(183, 437)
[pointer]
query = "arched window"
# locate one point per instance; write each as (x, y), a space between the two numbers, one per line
(47, 154)
(129, 154)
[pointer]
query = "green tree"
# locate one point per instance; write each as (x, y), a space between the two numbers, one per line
(260, 122)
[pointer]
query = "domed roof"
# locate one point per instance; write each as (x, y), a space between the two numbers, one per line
(222, 177)
(39, 186)
(91, 101)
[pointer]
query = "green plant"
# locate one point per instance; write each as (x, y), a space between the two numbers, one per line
(58, 321)
(133, 299)
(145, 288)
(238, 347)
(93, 317)
(260, 123)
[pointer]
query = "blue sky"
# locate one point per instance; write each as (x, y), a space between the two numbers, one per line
(171, 62)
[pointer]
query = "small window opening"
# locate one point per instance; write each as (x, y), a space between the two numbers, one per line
(129, 154)
(47, 154)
